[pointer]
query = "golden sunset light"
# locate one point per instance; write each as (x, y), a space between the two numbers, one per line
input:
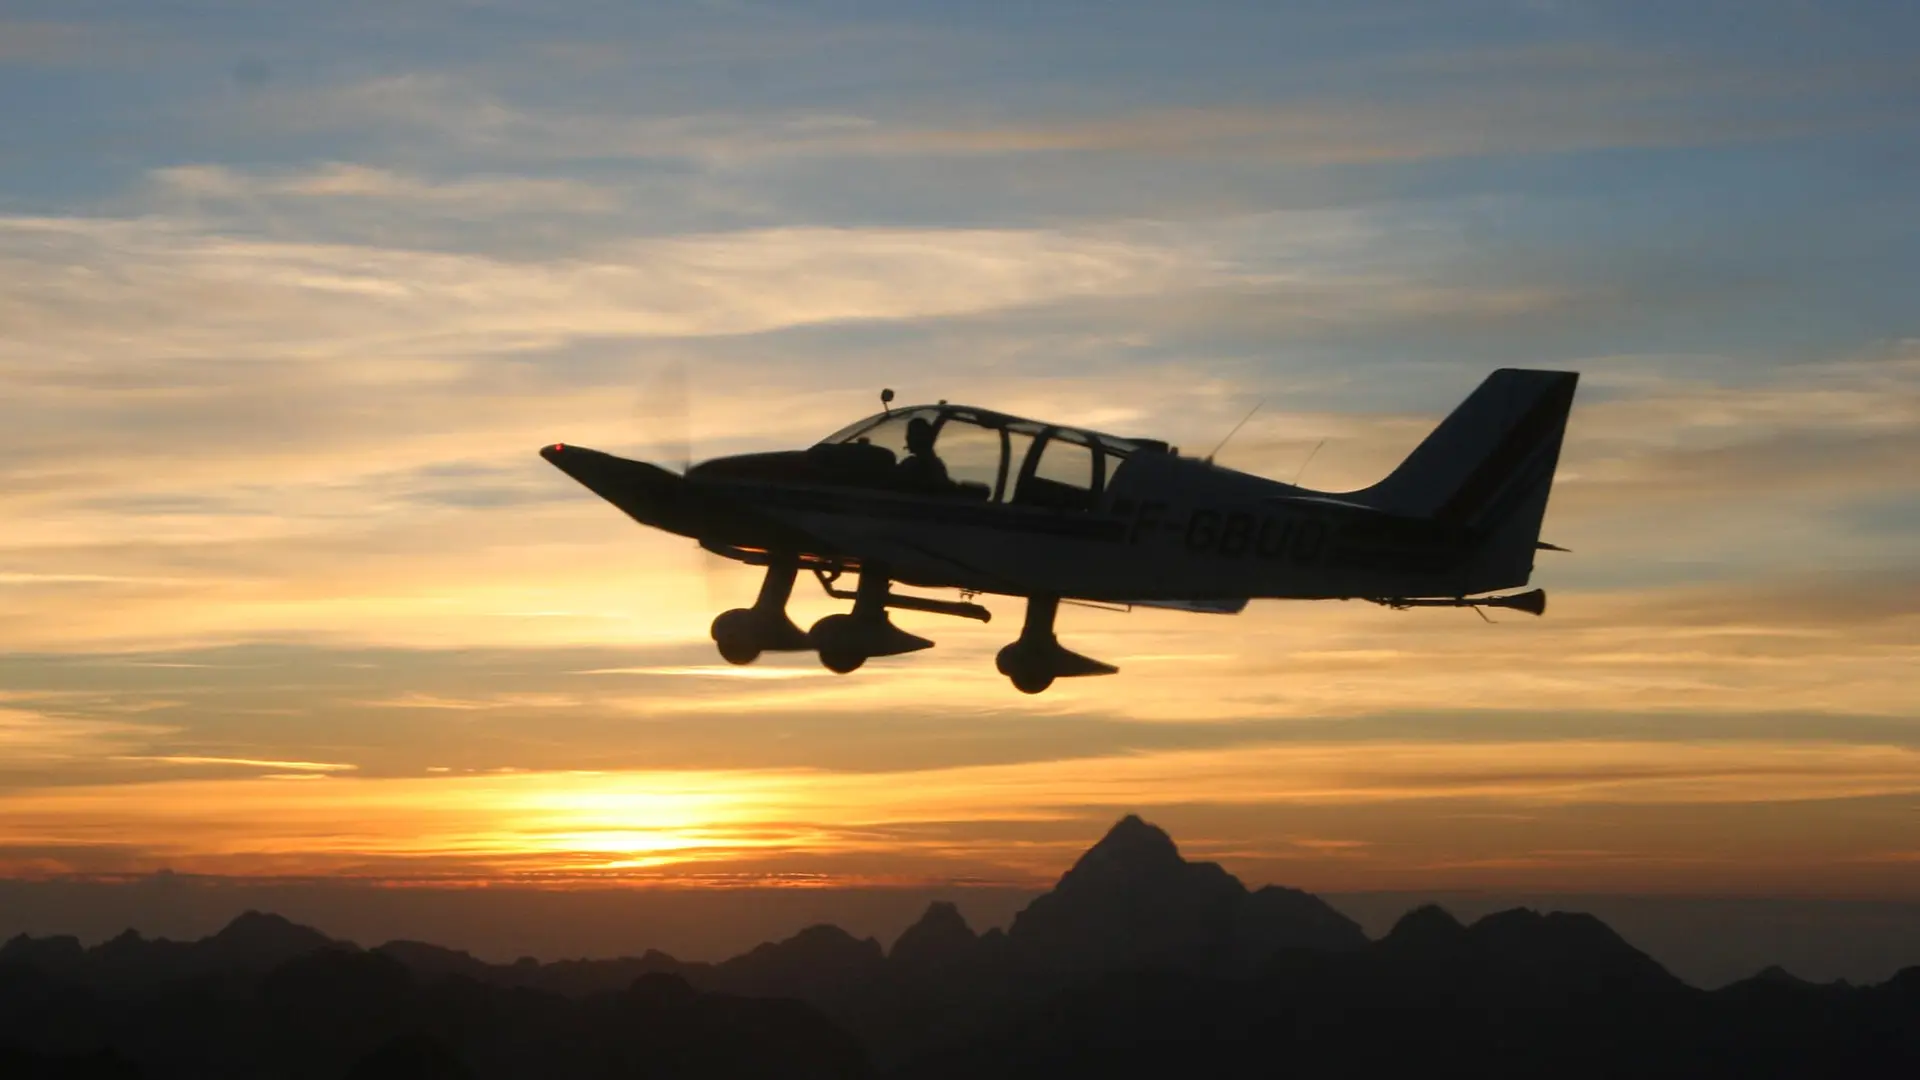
(929, 540)
(313, 324)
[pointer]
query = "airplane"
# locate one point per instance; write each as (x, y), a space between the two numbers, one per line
(955, 497)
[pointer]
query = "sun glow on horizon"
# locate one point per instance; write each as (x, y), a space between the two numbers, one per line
(289, 589)
(925, 825)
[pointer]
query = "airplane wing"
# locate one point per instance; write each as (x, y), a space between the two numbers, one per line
(908, 553)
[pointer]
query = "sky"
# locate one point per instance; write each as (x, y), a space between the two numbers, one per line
(291, 295)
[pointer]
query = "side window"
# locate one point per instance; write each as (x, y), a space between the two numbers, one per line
(972, 456)
(1065, 476)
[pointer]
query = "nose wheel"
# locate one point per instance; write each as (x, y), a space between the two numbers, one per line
(1037, 658)
(742, 634)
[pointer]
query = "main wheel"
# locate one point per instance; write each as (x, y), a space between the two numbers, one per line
(835, 637)
(737, 635)
(1026, 668)
(1031, 682)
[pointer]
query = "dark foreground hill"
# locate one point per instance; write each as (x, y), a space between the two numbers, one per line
(1138, 960)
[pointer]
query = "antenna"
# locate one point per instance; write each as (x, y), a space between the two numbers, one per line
(1236, 430)
(886, 401)
(1309, 461)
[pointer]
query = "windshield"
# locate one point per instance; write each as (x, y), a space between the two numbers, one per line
(846, 434)
(956, 451)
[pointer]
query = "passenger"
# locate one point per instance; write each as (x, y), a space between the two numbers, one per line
(922, 469)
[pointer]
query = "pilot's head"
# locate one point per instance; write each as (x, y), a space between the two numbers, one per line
(919, 435)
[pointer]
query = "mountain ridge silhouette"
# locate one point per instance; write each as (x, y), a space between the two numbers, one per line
(1137, 958)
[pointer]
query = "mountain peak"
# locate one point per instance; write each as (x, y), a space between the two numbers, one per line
(261, 939)
(941, 936)
(1133, 901)
(1137, 834)
(251, 923)
(1426, 925)
(1131, 846)
(1776, 975)
(265, 928)
(1565, 949)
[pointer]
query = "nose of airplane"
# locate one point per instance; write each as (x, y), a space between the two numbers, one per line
(647, 493)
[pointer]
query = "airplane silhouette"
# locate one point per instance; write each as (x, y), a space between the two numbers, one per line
(952, 496)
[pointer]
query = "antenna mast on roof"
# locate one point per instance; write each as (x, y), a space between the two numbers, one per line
(1235, 431)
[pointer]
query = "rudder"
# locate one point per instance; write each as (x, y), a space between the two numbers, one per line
(1488, 467)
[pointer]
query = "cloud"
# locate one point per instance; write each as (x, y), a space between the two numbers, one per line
(349, 181)
(252, 763)
(185, 293)
(42, 738)
(1521, 99)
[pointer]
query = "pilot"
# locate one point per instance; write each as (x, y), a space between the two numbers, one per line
(922, 468)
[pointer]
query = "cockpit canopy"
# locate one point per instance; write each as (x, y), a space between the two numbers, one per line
(982, 456)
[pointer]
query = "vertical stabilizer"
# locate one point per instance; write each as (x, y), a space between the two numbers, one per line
(1489, 468)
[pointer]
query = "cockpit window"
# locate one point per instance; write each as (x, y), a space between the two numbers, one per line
(1020, 436)
(972, 453)
(892, 431)
(1067, 474)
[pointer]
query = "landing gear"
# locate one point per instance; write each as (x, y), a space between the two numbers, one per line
(1038, 658)
(742, 634)
(847, 641)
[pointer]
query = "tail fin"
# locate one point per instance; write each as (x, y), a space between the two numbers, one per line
(1489, 467)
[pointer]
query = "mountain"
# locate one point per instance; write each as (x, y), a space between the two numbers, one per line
(339, 1012)
(1133, 901)
(1138, 960)
(820, 963)
(433, 961)
(1516, 994)
(940, 940)
(252, 942)
(255, 940)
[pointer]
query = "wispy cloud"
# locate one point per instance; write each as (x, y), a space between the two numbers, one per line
(252, 763)
(46, 738)
(1551, 98)
(348, 181)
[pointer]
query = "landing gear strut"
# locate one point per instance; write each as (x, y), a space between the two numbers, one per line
(744, 633)
(1038, 658)
(847, 641)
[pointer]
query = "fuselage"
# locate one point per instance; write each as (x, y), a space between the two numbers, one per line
(1025, 507)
